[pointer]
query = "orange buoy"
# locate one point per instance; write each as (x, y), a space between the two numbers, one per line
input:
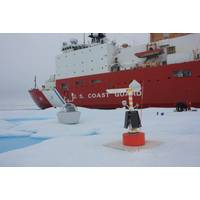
(134, 139)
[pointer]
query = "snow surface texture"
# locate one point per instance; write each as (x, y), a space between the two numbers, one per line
(175, 138)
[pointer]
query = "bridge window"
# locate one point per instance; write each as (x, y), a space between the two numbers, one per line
(95, 81)
(182, 73)
(171, 50)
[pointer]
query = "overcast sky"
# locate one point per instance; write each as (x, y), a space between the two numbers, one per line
(24, 55)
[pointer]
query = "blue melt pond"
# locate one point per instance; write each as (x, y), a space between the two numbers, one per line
(92, 133)
(11, 143)
(25, 119)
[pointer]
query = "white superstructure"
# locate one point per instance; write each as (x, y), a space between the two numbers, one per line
(185, 48)
(101, 55)
(85, 61)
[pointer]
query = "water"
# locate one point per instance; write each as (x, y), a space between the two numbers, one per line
(11, 143)
(16, 120)
(92, 133)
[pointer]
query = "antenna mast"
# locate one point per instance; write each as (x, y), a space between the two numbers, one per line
(35, 82)
(84, 38)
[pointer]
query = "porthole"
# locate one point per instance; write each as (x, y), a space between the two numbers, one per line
(64, 86)
(182, 73)
(79, 83)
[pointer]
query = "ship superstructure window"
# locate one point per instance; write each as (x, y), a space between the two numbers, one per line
(79, 83)
(64, 86)
(165, 35)
(171, 50)
(95, 81)
(182, 73)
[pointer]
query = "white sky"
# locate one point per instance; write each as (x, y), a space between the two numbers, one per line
(24, 55)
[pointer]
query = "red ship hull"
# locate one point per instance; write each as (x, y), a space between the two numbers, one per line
(39, 98)
(160, 87)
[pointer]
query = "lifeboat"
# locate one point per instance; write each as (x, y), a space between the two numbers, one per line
(149, 53)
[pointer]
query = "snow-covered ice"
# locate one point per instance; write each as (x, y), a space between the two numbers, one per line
(176, 135)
